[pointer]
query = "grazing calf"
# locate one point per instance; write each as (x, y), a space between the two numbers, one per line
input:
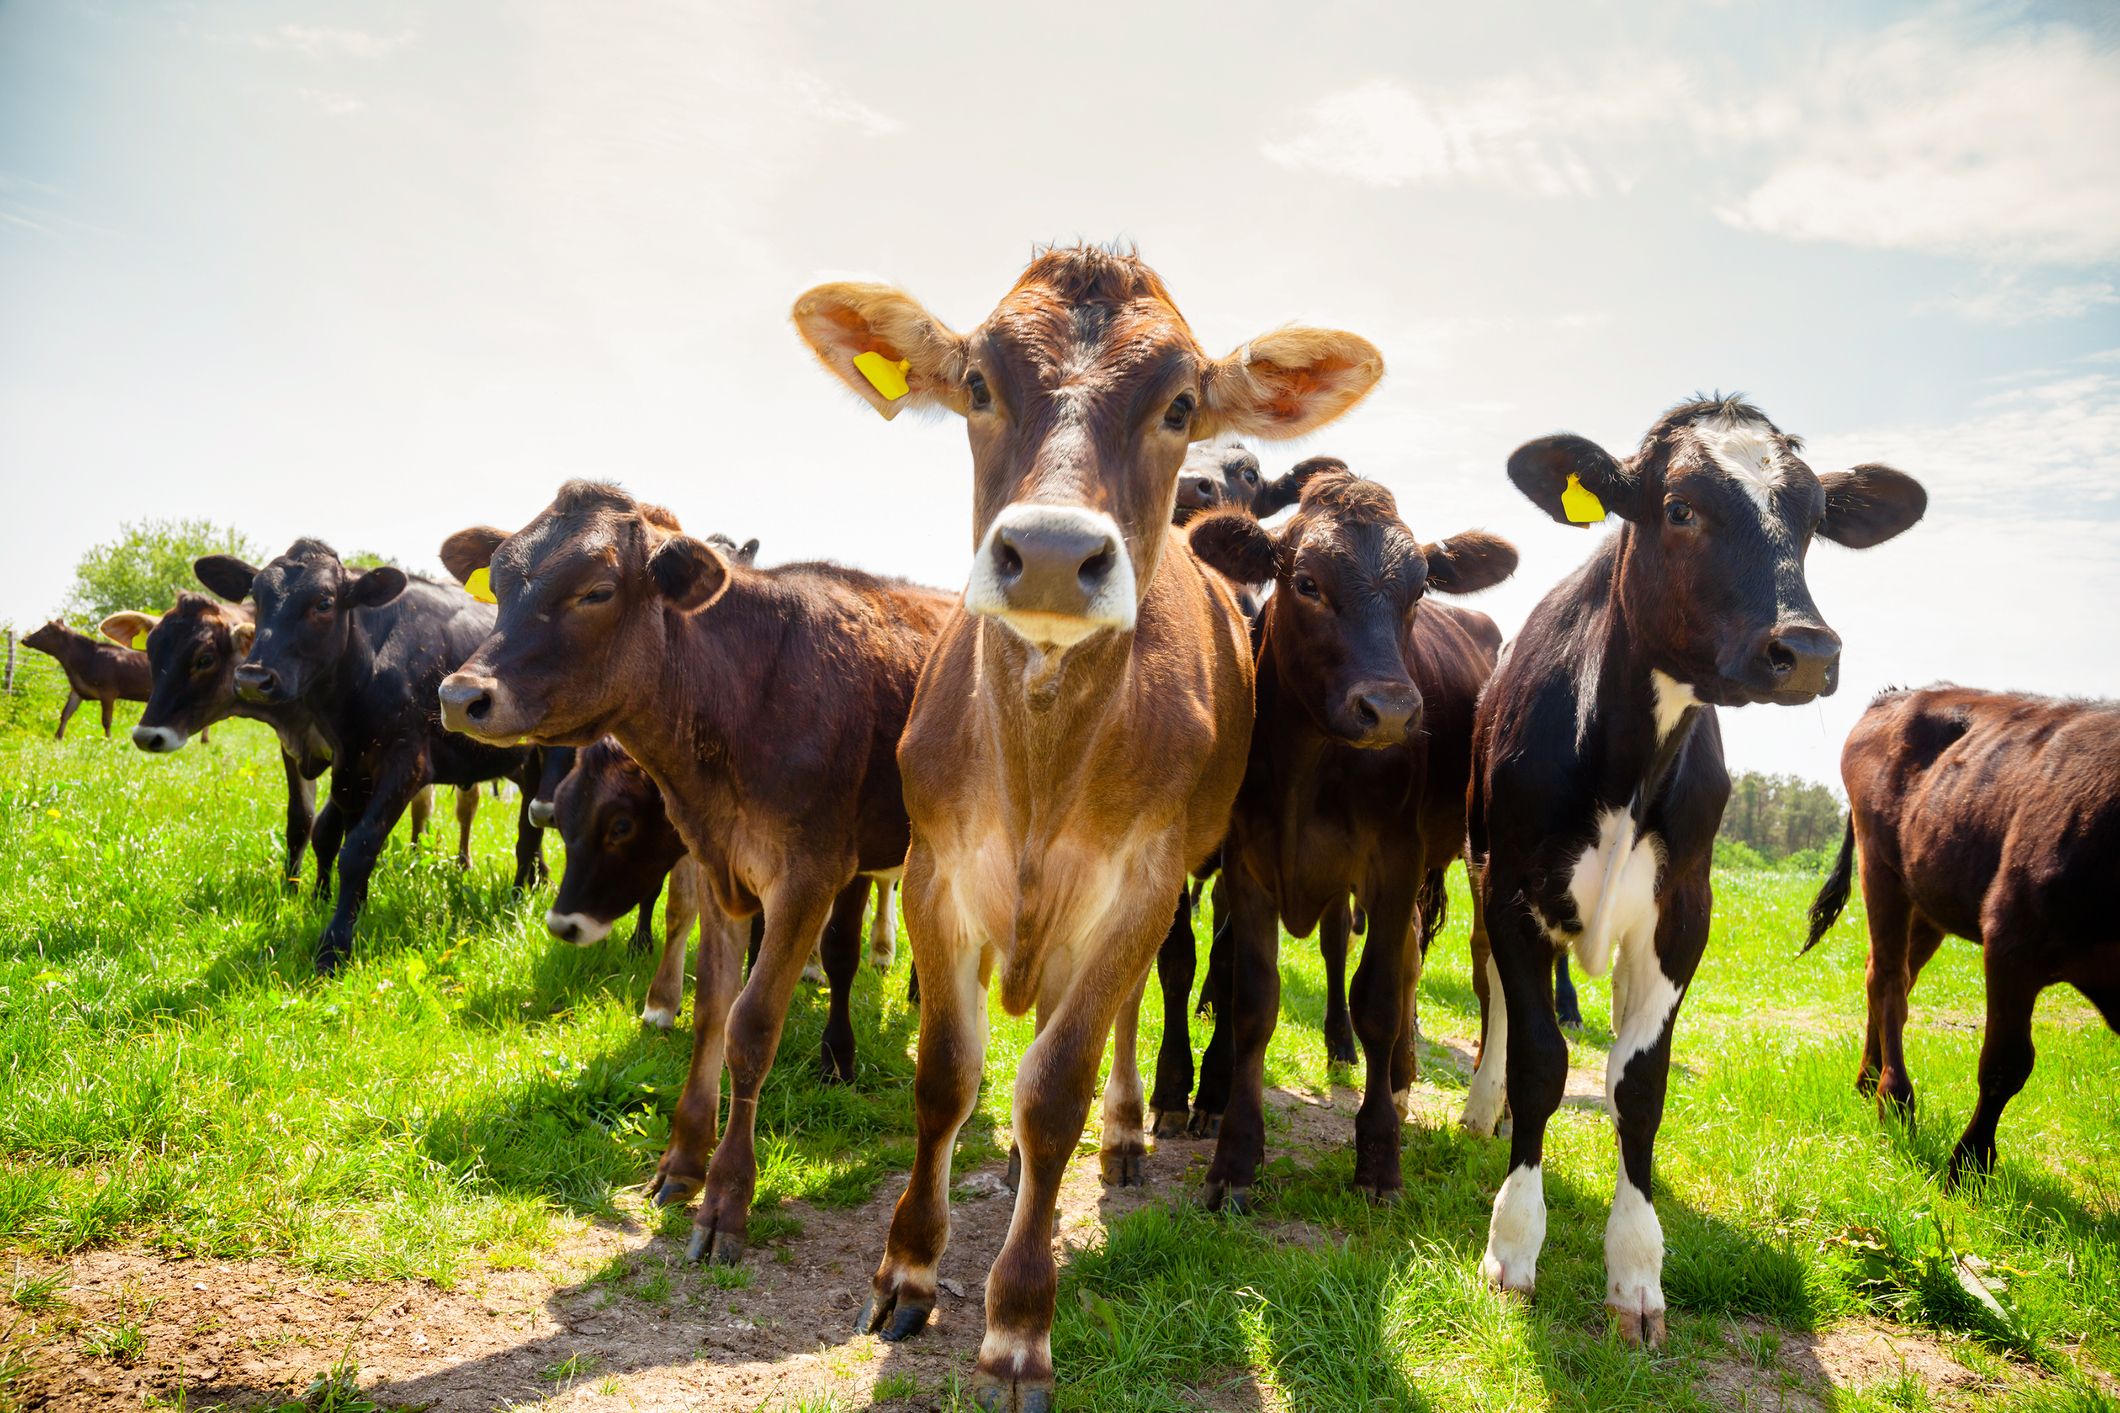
(1081, 726)
(1994, 816)
(766, 706)
(1598, 778)
(363, 652)
(95, 672)
(1356, 784)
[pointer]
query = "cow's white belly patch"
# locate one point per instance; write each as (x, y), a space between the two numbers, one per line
(1614, 888)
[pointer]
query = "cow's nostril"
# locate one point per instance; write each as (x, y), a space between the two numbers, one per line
(479, 707)
(1097, 568)
(1365, 715)
(1007, 560)
(1781, 659)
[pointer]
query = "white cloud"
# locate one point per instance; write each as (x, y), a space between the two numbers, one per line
(2011, 299)
(1929, 137)
(317, 41)
(824, 99)
(337, 105)
(1551, 134)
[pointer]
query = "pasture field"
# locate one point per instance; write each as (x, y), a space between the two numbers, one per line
(224, 1182)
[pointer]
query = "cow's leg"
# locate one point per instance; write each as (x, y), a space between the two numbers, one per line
(1891, 914)
(1332, 945)
(466, 812)
(418, 810)
(357, 856)
(530, 869)
(841, 950)
(301, 818)
(1649, 977)
(696, 1121)
(1244, 1024)
(1482, 970)
(1176, 962)
(1054, 1084)
(329, 830)
(66, 713)
(1406, 1059)
(107, 704)
(666, 991)
(1537, 1073)
(2013, 986)
(796, 909)
(883, 927)
(946, 1069)
(1216, 986)
(1565, 1007)
(1377, 998)
(1217, 998)
(1123, 1155)
(643, 936)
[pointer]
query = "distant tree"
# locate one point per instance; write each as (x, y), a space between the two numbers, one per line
(367, 559)
(1779, 819)
(146, 567)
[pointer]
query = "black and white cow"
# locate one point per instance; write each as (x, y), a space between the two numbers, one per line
(1598, 778)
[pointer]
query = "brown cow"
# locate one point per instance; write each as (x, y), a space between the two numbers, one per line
(95, 672)
(766, 704)
(1993, 816)
(1359, 762)
(1081, 726)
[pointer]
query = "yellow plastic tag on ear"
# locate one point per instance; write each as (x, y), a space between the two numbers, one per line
(885, 376)
(479, 584)
(140, 640)
(1579, 505)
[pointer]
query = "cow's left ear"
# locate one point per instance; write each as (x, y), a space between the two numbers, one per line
(468, 551)
(242, 634)
(688, 572)
(1542, 470)
(1286, 383)
(884, 345)
(1286, 489)
(1467, 563)
(376, 587)
(125, 629)
(1233, 544)
(1870, 504)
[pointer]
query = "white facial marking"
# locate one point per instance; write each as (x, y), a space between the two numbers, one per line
(1634, 1253)
(1483, 1097)
(1748, 454)
(159, 740)
(1673, 697)
(578, 928)
(1517, 1231)
(1614, 887)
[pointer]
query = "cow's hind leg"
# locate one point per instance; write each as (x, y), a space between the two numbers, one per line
(952, 1053)
(1378, 999)
(1333, 930)
(530, 869)
(1566, 1007)
(883, 927)
(2006, 1054)
(1892, 925)
(840, 949)
(1536, 1075)
(466, 812)
(66, 713)
(1176, 963)
(107, 704)
(1244, 1025)
(1123, 1155)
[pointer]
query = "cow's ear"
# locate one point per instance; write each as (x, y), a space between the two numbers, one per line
(1468, 563)
(884, 346)
(125, 629)
(468, 551)
(688, 572)
(225, 575)
(1870, 504)
(242, 634)
(748, 552)
(376, 587)
(1233, 543)
(1543, 469)
(1286, 489)
(1286, 383)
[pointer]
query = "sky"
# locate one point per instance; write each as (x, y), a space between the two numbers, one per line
(377, 272)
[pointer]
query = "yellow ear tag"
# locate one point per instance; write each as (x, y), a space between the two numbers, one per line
(140, 641)
(1580, 506)
(479, 584)
(885, 376)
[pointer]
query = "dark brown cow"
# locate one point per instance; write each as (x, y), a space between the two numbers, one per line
(1081, 726)
(1993, 816)
(95, 672)
(766, 705)
(1598, 778)
(1359, 760)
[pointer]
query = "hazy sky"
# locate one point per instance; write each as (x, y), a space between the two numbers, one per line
(377, 272)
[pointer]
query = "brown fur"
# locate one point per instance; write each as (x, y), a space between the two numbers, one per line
(102, 673)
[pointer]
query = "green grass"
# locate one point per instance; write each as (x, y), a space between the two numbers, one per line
(176, 1076)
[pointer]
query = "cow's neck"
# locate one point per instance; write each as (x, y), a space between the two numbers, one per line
(343, 688)
(1641, 715)
(1050, 710)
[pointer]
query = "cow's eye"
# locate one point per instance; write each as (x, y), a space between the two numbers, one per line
(982, 395)
(1678, 511)
(1179, 414)
(1250, 475)
(621, 829)
(322, 605)
(602, 593)
(203, 662)
(1306, 586)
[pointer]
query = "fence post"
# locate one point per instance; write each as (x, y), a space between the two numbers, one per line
(9, 684)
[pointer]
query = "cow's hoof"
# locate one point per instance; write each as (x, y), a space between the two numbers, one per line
(1125, 1165)
(1866, 1083)
(716, 1247)
(893, 1318)
(1639, 1327)
(999, 1395)
(830, 1069)
(1380, 1194)
(1340, 1049)
(673, 1188)
(1508, 1277)
(1204, 1125)
(1167, 1123)
(661, 1017)
(1219, 1196)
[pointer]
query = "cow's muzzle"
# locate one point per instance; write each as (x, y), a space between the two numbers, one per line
(1054, 573)
(477, 706)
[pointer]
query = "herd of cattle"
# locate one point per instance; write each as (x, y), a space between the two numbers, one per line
(1142, 685)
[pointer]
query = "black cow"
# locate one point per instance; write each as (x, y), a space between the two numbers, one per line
(1598, 778)
(365, 652)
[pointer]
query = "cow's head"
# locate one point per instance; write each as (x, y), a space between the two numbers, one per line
(192, 651)
(303, 608)
(1348, 579)
(47, 639)
(583, 590)
(553, 766)
(1228, 473)
(1082, 391)
(1720, 510)
(619, 839)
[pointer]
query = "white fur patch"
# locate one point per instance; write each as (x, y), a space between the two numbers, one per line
(578, 928)
(159, 740)
(661, 1017)
(1483, 1097)
(1614, 887)
(1634, 1253)
(1643, 1000)
(1517, 1231)
(1673, 698)
(1747, 451)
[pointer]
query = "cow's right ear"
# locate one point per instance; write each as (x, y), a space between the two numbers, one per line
(242, 634)
(1286, 489)
(226, 575)
(1234, 544)
(468, 551)
(126, 629)
(688, 572)
(1542, 470)
(884, 346)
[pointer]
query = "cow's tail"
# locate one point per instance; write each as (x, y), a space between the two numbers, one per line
(1825, 908)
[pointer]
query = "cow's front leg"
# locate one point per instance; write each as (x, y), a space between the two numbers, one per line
(1176, 962)
(1247, 1018)
(357, 856)
(1378, 1000)
(1333, 932)
(328, 832)
(696, 1121)
(946, 1069)
(301, 819)
(466, 812)
(1537, 1075)
(66, 713)
(1123, 1154)
(840, 951)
